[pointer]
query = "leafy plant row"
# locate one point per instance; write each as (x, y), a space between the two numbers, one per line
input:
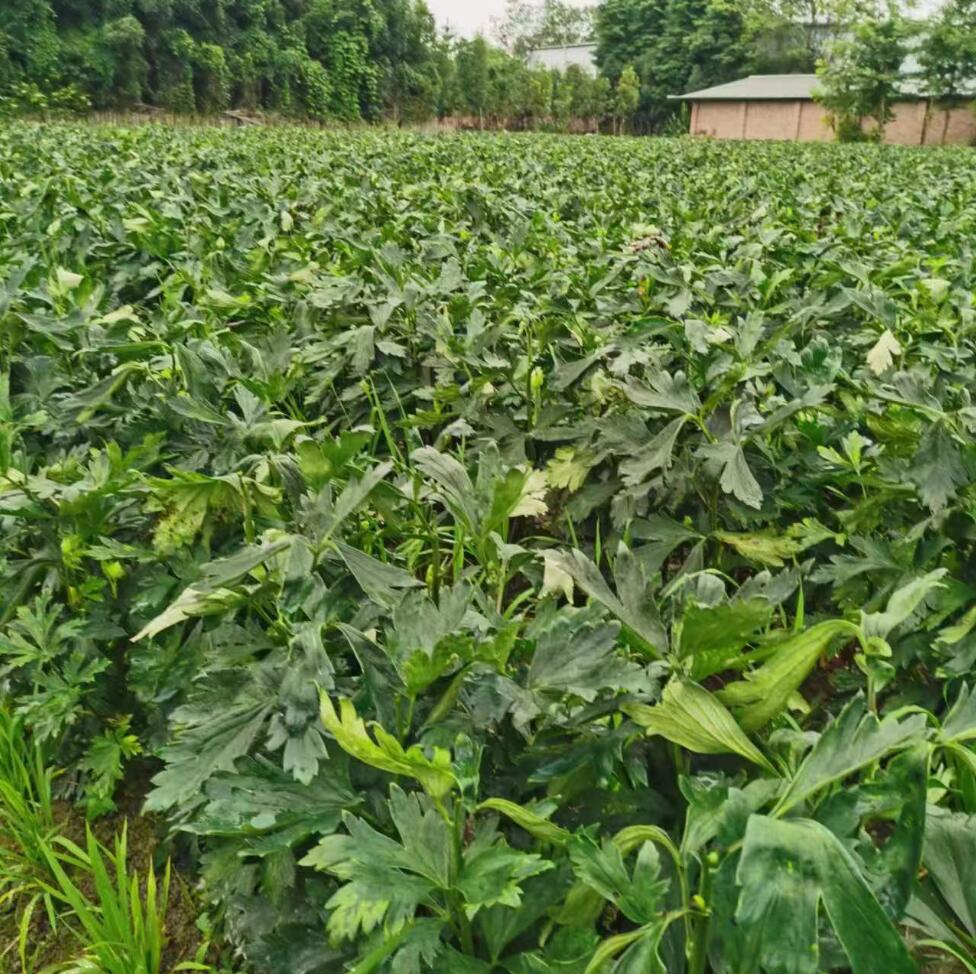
(504, 554)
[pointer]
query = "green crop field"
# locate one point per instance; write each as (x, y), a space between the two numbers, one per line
(485, 554)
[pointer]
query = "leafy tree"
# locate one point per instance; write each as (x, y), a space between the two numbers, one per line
(792, 35)
(529, 24)
(404, 52)
(343, 59)
(626, 96)
(29, 49)
(861, 76)
(602, 98)
(673, 45)
(947, 55)
(473, 76)
(538, 95)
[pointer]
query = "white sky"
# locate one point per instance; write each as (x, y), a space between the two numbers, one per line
(467, 17)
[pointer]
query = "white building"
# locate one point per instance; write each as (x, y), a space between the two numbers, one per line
(561, 57)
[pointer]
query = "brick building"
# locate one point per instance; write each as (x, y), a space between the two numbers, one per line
(782, 106)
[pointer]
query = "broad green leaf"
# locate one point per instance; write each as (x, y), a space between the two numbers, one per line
(581, 660)
(492, 873)
(950, 857)
(766, 691)
(259, 801)
(208, 742)
(692, 717)
(382, 582)
(656, 455)
(209, 594)
(786, 870)
(634, 607)
(452, 479)
(664, 391)
(355, 493)
(959, 724)
(638, 951)
(737, 479)
(637, 893)
(937, 469)
(713, 637)
(854, 739)
(902, 604)
(385, 881)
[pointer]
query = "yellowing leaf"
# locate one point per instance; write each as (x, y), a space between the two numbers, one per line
(764, 548)
(68, 279)
(532, 500)
(555, 579)
(883, 353)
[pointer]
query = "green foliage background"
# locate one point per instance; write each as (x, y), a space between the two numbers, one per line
(344, 59)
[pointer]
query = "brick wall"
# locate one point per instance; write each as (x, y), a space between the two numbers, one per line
(807, 121)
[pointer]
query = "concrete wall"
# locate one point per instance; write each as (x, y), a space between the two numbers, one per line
(913, 123)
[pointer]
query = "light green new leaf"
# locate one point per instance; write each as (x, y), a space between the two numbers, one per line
(765, 691)
(386, 752)
(855, 738)
(787, 868)
(692, 717)
(532, 822)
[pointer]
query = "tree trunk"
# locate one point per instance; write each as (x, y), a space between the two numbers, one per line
(945, 125)
(925, 121)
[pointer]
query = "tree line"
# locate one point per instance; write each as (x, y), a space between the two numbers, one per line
(345, 60)
(886, 53)
(352, 60)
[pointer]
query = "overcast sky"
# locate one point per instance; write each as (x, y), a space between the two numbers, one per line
(467, 17)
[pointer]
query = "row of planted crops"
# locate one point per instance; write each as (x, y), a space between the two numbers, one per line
(485, 554)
